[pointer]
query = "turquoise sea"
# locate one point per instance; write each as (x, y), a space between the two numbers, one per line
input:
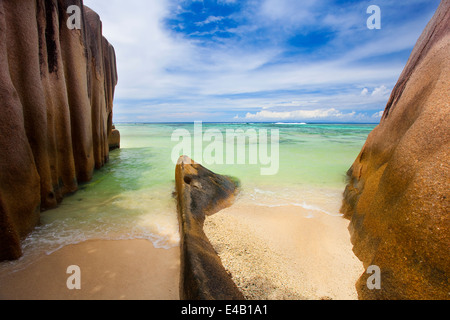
(132, 196)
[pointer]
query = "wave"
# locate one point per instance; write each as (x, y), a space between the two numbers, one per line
(289, 123)
(304, 206)
(42, 242)
(314, 208)
(313, 201)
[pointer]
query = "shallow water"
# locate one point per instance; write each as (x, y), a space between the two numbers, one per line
(131, 197)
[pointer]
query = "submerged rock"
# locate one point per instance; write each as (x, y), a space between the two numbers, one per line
(398, 192)
(114, 139)
(56, 100)
(200, 193)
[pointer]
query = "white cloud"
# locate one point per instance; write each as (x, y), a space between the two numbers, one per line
(145, 49)
(298, 115)
(227, 1)
(181, 75)
(289, 12)
(380, 92)
(378, 115)
(210, 19)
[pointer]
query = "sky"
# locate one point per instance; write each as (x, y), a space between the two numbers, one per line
(258, 60)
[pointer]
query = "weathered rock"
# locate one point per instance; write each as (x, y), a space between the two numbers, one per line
(114, 139)
(398, 192)
(200, 193)
(56, 92)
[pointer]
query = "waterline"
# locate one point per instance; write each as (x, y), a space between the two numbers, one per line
(131, 197)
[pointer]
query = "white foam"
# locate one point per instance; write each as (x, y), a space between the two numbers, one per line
(256, 190)
(289, 198)
(306, 206)
(287, 123)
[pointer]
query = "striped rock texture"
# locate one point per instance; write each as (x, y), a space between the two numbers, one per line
(56, 99)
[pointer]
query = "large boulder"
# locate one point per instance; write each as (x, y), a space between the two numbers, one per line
(56, 98)
(114, 139)
(398, 192)
(200, 193)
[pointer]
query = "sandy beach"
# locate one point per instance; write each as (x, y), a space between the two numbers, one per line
(110, 270)
(283, 253)
(272, 253)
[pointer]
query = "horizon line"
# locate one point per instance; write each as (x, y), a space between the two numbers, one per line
(231, 122)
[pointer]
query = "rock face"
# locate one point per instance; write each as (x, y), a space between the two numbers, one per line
(114, 139)
(200, 192)
(56, 99)
(398, 192)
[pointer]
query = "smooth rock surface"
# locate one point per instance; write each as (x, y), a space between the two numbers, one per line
(398, 192)
(201, 192)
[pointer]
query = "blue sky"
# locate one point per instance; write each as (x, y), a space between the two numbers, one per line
(258, 60)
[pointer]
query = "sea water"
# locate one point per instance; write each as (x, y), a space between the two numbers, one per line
(132, 196)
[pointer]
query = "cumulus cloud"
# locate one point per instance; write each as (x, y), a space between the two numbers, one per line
(298, 115)
(169, 64)
(380, 92)
(378, 115)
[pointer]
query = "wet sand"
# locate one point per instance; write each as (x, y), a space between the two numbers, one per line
(110, 270)
(280, 253)
(283, 253)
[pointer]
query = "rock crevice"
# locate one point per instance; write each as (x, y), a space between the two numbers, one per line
(56, 100)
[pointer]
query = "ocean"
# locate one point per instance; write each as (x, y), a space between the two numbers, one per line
(132, 196)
